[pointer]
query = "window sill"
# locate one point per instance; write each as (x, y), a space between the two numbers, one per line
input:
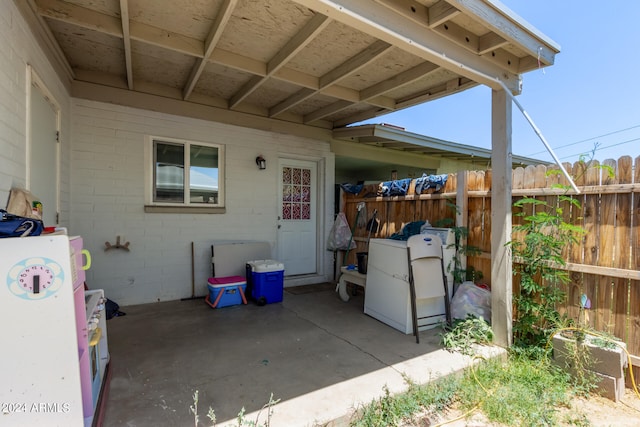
(185, 209)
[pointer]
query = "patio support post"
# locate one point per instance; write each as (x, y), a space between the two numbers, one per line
(501, 263)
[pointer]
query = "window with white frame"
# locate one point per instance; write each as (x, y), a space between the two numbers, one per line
(184, 173)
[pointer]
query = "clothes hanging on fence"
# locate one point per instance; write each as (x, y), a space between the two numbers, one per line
(398, 187)
(430, 181)
(352, 188)
(408, 230)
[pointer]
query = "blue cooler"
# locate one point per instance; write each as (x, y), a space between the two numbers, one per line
(226, 291)
(265, 279)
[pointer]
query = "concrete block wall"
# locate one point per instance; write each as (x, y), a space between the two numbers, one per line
(607, 364)
(18, 50)
(108, 199)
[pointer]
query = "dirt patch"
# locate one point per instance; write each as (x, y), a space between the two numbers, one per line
(604, 412)
(595, 411)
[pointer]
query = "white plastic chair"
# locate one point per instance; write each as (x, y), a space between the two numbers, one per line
(427, 277)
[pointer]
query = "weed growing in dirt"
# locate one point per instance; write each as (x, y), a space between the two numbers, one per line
(520, 392)
(395, 410)
(242, 421)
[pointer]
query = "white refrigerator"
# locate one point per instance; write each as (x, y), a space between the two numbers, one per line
(387, 293)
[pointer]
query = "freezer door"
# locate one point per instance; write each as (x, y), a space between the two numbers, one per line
(387, 295)
(390, 256)
(387, 292)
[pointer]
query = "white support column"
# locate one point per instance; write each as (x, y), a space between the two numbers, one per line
(501, 263)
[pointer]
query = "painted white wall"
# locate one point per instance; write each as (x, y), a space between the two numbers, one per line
(107, 195)
(18, 49)
(102, 191)
(108, 200)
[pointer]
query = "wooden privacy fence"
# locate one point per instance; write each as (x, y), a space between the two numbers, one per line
(604, 265)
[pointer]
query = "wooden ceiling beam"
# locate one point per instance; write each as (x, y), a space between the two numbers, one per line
(361, 116)
(85, 18)
(428, 17)
(399, 80)
(490, 42)
(298, 42)
(438, 18)
(441, 12)
(326, 111)
(372, 94)
(222, 18)
(315, 25)
(80, 16)
(471, 42)
(375, 20)
(353, 64)
(126, 41)
(291, 101)
(448, 88)
(453, 86)
(501, 22)
(348, 67)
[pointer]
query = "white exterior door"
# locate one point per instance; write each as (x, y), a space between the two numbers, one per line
(297, 219)
(43, 153)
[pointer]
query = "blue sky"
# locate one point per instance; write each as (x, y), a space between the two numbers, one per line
(590, 95)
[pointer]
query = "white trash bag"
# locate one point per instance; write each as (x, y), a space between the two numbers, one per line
(340, 235)
(471, 299)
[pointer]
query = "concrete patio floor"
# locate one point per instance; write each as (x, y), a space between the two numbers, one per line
(320, 356)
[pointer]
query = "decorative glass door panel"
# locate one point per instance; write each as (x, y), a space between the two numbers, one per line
(296, 193)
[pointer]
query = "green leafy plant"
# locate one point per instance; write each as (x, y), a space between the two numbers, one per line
(464, 333)
(459, 272)
(538, 261)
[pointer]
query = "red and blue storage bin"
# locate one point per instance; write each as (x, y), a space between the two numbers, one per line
(265, 280)
(226, 291)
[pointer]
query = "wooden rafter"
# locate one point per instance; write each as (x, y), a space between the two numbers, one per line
(144, 33)
(490, 46)
(441, 12)
(528, 38)
(350, 66)
(210, 43)
(369, 94)
(411, 37)
(293, 47)
(126, 39)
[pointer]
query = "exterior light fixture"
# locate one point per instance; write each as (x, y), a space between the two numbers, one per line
(261, 162)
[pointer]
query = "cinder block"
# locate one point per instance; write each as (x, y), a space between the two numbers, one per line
(610, 387)
(606, 361)
(606, 364)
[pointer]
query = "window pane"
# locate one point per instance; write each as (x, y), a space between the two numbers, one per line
(203, 174)
(168, 172)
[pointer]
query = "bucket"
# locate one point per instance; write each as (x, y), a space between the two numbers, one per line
(362, 262)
